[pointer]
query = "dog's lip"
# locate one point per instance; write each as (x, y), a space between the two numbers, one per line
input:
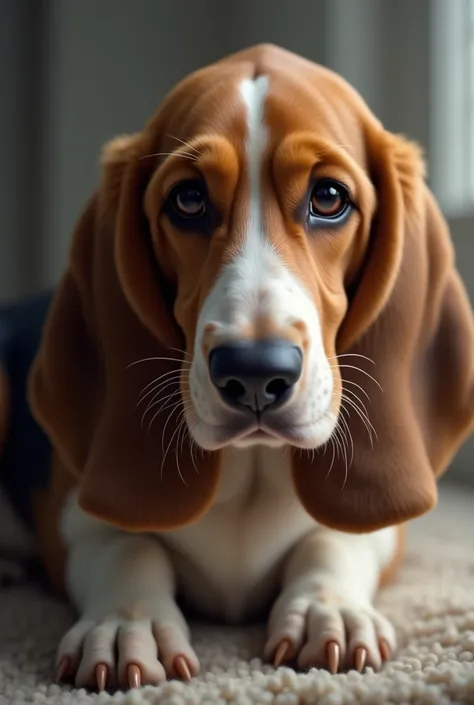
(287, 432)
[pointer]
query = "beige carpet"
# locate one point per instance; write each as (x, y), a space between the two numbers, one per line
(432, 606)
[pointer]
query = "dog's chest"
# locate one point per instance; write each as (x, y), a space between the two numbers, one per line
(229, 562)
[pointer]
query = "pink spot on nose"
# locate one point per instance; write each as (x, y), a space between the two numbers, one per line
(209, 328)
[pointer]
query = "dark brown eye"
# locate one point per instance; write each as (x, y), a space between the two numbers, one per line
(188, 200)
(188, 207)
(329, 199)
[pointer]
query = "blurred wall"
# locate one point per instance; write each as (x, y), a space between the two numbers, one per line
(20, 145)
(77, 73)
(73, 74)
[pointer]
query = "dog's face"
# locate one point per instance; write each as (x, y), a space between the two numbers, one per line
(261, 221)
(264, 243)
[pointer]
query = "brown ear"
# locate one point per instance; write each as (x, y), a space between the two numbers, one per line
(110, 311)
(411, 316)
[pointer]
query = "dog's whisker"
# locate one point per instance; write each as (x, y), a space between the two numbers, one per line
(365, 420)
(168, 403)
(182, 431)
(354, 367)
(182, 352)
(354, 384)
(364, 415)
(161, 377)
(173, 411)
(364, 357)
(178, 153)
(164, 404)
(184, 434)
(349, 435)
(166, 453)
(337, 440)
(343, 439)
(157, 413)
(158, 359)
(159, 398)
(185, 144)
(331, 440)
(358, 399)
(194, 445)
(171, 379)
(159, 393)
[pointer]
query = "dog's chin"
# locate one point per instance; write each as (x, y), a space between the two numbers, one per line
(245, 433)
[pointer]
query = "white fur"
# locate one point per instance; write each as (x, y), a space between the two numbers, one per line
(254, 94)
(256, 542)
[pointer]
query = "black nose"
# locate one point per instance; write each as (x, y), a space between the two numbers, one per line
(256, 373)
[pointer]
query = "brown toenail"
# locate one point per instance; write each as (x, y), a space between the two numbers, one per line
(360, 657)
(134, 676)
(333, 653)
(385, 650)
(101, 676)
(182, 668)
(282, 652)
(63, 668)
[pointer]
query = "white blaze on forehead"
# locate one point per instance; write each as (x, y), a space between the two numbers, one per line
(236, 299)
(254, 93)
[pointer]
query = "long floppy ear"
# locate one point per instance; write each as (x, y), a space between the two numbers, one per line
(410, 315)
(111, 310)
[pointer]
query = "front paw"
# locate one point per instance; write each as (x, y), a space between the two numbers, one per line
(324, 629)
(125, 653)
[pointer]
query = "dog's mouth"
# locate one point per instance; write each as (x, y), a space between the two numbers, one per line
(258, 437)
(261, 431)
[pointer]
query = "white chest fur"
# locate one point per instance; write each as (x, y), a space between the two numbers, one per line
(229, 562)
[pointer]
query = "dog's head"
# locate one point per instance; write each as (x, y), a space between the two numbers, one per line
(262, 264)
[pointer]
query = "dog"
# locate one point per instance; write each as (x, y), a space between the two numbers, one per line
(258, 362)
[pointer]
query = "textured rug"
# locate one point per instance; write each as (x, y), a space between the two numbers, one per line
(431, 605)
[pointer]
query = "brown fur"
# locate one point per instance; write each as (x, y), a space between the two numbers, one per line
(386, 287)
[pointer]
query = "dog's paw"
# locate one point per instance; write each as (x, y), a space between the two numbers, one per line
(325, 630)
(120, 653)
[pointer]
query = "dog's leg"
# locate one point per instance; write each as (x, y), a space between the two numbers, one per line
(324, 614)
(130, 630)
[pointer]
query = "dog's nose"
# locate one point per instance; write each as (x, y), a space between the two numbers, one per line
(257, 374)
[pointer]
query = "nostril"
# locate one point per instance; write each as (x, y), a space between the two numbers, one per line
(234, 389)
(277, 387)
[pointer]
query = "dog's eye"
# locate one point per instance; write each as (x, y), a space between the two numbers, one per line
(329, 200)
(188, 207)
(188, 200)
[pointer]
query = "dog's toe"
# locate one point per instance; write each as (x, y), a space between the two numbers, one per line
(117, 653)
(333, 634)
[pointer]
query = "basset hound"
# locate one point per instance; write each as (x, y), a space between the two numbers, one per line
(257, 364)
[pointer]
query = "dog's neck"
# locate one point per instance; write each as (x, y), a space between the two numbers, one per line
(247, 473)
